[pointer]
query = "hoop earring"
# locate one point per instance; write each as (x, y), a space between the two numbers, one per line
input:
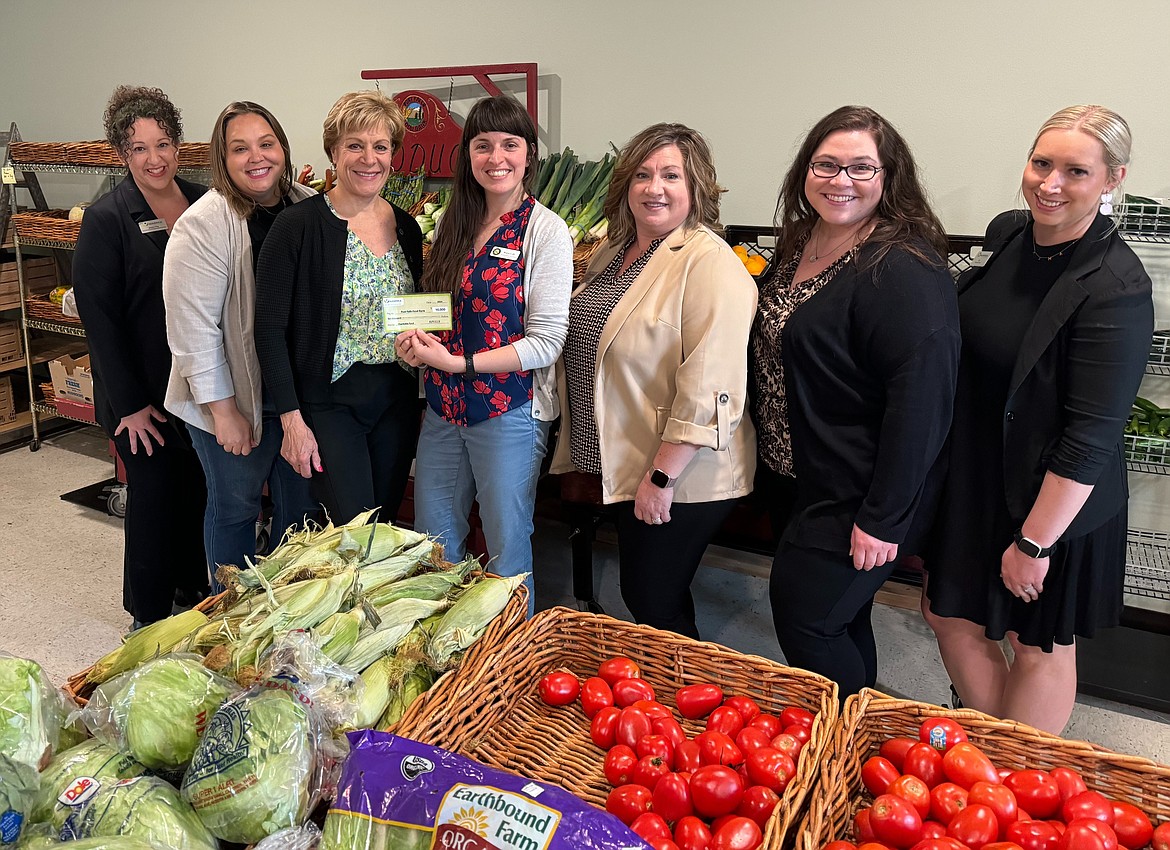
(1107, 203)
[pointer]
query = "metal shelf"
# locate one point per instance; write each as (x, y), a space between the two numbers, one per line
(1147, 454)
(66, 328)
(1143, 222)
(1147, 564)
(101, 170)
(46, 409)
(1159, 363)
(59, 244)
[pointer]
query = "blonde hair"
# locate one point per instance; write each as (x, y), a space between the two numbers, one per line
(362, 110)
(1103, 124)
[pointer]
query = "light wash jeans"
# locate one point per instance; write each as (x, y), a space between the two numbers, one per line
(234, 487)
(496, 462)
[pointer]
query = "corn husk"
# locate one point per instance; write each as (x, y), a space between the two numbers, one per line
(469, 617)
(434, 585)
(375, 692)
(147, 642)
(374, 576)
(417, 681)
(338, 634)
(399, 621)
(308, 604)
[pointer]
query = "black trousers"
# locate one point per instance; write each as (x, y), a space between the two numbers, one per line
(166, 497)
(821, 606)
(658, 562)
(367, 432)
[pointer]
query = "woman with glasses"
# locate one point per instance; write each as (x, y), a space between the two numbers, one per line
(1031, 532)
(856, 345)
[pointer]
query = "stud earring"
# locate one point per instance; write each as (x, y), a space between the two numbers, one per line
(1107, 203)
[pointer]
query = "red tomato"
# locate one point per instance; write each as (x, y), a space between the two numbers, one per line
(615, 669)
(559, 688)
(964, 764)
(655, 745)
(933, 829)
(876, 775)
(974, 826)
(796, 716)
(746, 706)
(631, 726)
(758, 803)
(785, 743)
(894, 751)
(1036, 792)
(715, 790)
(873, 845)
(663, 844)
(695, 701)
(604, 725)
(770, 768)
(999, 799)
(1058, 825)
(669, 728)
(626, 802)
(1033, 835)
(739, 833)
(799, 732)
(717, 748)
(1002, 845)
(751, 738)
(687, 757)
(840, 845)
(651, 825)
(770, 723)
(941, 733)
(652, 709)
(626, 692)
(862, 828)
(619, 764)
(942, 843)
(895, 822)
(1087, 804)
(925, 762)
(725, 720)
(946, 800)
(1004, 773)
(914, 791)
(1108, 836)
(596, 694)
(672, 797)
(648, 771)
(690, 833)
(1161, 839)
(1134, 830)
(1068, 781)
(1080, 835)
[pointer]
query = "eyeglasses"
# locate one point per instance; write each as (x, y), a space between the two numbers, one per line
(860, 171)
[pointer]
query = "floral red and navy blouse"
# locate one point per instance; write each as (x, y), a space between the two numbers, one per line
(488, 314)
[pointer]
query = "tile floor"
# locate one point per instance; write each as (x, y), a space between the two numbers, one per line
(60, 570)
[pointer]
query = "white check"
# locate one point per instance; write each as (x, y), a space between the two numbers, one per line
(424, 311)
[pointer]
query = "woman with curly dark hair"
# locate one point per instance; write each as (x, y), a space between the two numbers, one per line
(856, 346)
(117, 277)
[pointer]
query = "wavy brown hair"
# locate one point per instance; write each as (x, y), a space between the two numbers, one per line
(904, 217)
(702, 184)
(241, 204)
(467, 209)
(129, 103)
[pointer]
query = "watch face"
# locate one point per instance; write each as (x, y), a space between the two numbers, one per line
(1028, 547)
(659, 479)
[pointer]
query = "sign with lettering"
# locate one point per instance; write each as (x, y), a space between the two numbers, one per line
(432, 136)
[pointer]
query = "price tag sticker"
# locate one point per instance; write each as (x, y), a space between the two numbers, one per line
(8, 175)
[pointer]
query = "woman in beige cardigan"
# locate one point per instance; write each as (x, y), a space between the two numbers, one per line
(656, 367)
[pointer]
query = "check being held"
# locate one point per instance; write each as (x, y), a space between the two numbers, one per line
(424, 311)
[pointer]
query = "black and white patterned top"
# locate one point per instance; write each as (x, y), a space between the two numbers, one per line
(588, 312)
(779, 299)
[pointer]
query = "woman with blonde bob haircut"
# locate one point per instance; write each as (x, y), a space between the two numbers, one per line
(656, 367)
(209, 287)
(348, 405)
(1030, 539)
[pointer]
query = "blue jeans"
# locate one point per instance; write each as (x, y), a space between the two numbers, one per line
(496, 462)
(235, 484)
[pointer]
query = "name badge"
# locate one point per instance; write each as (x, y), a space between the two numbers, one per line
(152, 226)
(424, 311)
(980, 259)
(504, 253)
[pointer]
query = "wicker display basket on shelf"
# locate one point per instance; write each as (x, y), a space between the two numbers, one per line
(46, 224)
(44, 153)
(871, 718)
(489, 709)
(42, 307)
(96, 154)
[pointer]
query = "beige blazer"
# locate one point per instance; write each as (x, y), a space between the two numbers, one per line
(672, 366)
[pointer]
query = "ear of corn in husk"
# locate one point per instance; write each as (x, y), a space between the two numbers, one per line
(338, 634)
(310, 603)
(147, 642)
(214, 633)
(416, 682)
(469, 617)
(375, 692)
(376, 575)
(398, 621)
(425, 586)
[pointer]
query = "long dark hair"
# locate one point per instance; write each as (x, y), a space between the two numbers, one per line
(904, 217)
(465, 213)
(221, 180)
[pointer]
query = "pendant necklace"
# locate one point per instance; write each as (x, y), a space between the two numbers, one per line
(817, 255)
(1049, 258)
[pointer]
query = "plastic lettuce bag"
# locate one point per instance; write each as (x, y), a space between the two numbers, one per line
(270, 754)
(157, 711)
(145, 808)
(18, 790)
(32, 712)
(75, 775)
(306, 837)
(111, 842)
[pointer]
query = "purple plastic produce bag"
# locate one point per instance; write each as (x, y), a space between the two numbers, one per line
(398, 794)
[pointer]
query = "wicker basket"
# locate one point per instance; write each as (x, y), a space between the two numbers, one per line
(41, 307)
(490, 710)
(53, 225)
(582, 254)
(871, 718)
(39, 153)
(427, 198)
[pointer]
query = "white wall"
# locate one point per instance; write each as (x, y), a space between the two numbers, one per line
(967, 83)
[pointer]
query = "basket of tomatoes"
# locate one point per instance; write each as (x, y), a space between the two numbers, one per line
(711, 748)
(904, 775)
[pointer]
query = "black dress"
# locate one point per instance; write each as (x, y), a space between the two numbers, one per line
(973, 527)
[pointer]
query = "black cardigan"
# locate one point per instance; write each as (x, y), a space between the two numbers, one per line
(1077, 372)
(299, 279)
(870, 364)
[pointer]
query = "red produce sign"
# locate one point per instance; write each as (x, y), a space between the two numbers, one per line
(432, 136)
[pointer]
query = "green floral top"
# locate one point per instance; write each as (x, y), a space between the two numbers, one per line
(368, 279)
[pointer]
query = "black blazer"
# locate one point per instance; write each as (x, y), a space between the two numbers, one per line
(117, 280)
(1077, 372)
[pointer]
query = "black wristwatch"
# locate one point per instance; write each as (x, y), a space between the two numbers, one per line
(660, 479)
(1030, 547)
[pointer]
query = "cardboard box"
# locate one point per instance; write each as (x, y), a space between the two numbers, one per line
(11, 343)
(40, 276)
(7, 402)
(72, 379)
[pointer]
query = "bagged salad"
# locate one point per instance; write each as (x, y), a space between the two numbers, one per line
(145, 808)
(32, 712)
(75, 775)
(18, 790)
